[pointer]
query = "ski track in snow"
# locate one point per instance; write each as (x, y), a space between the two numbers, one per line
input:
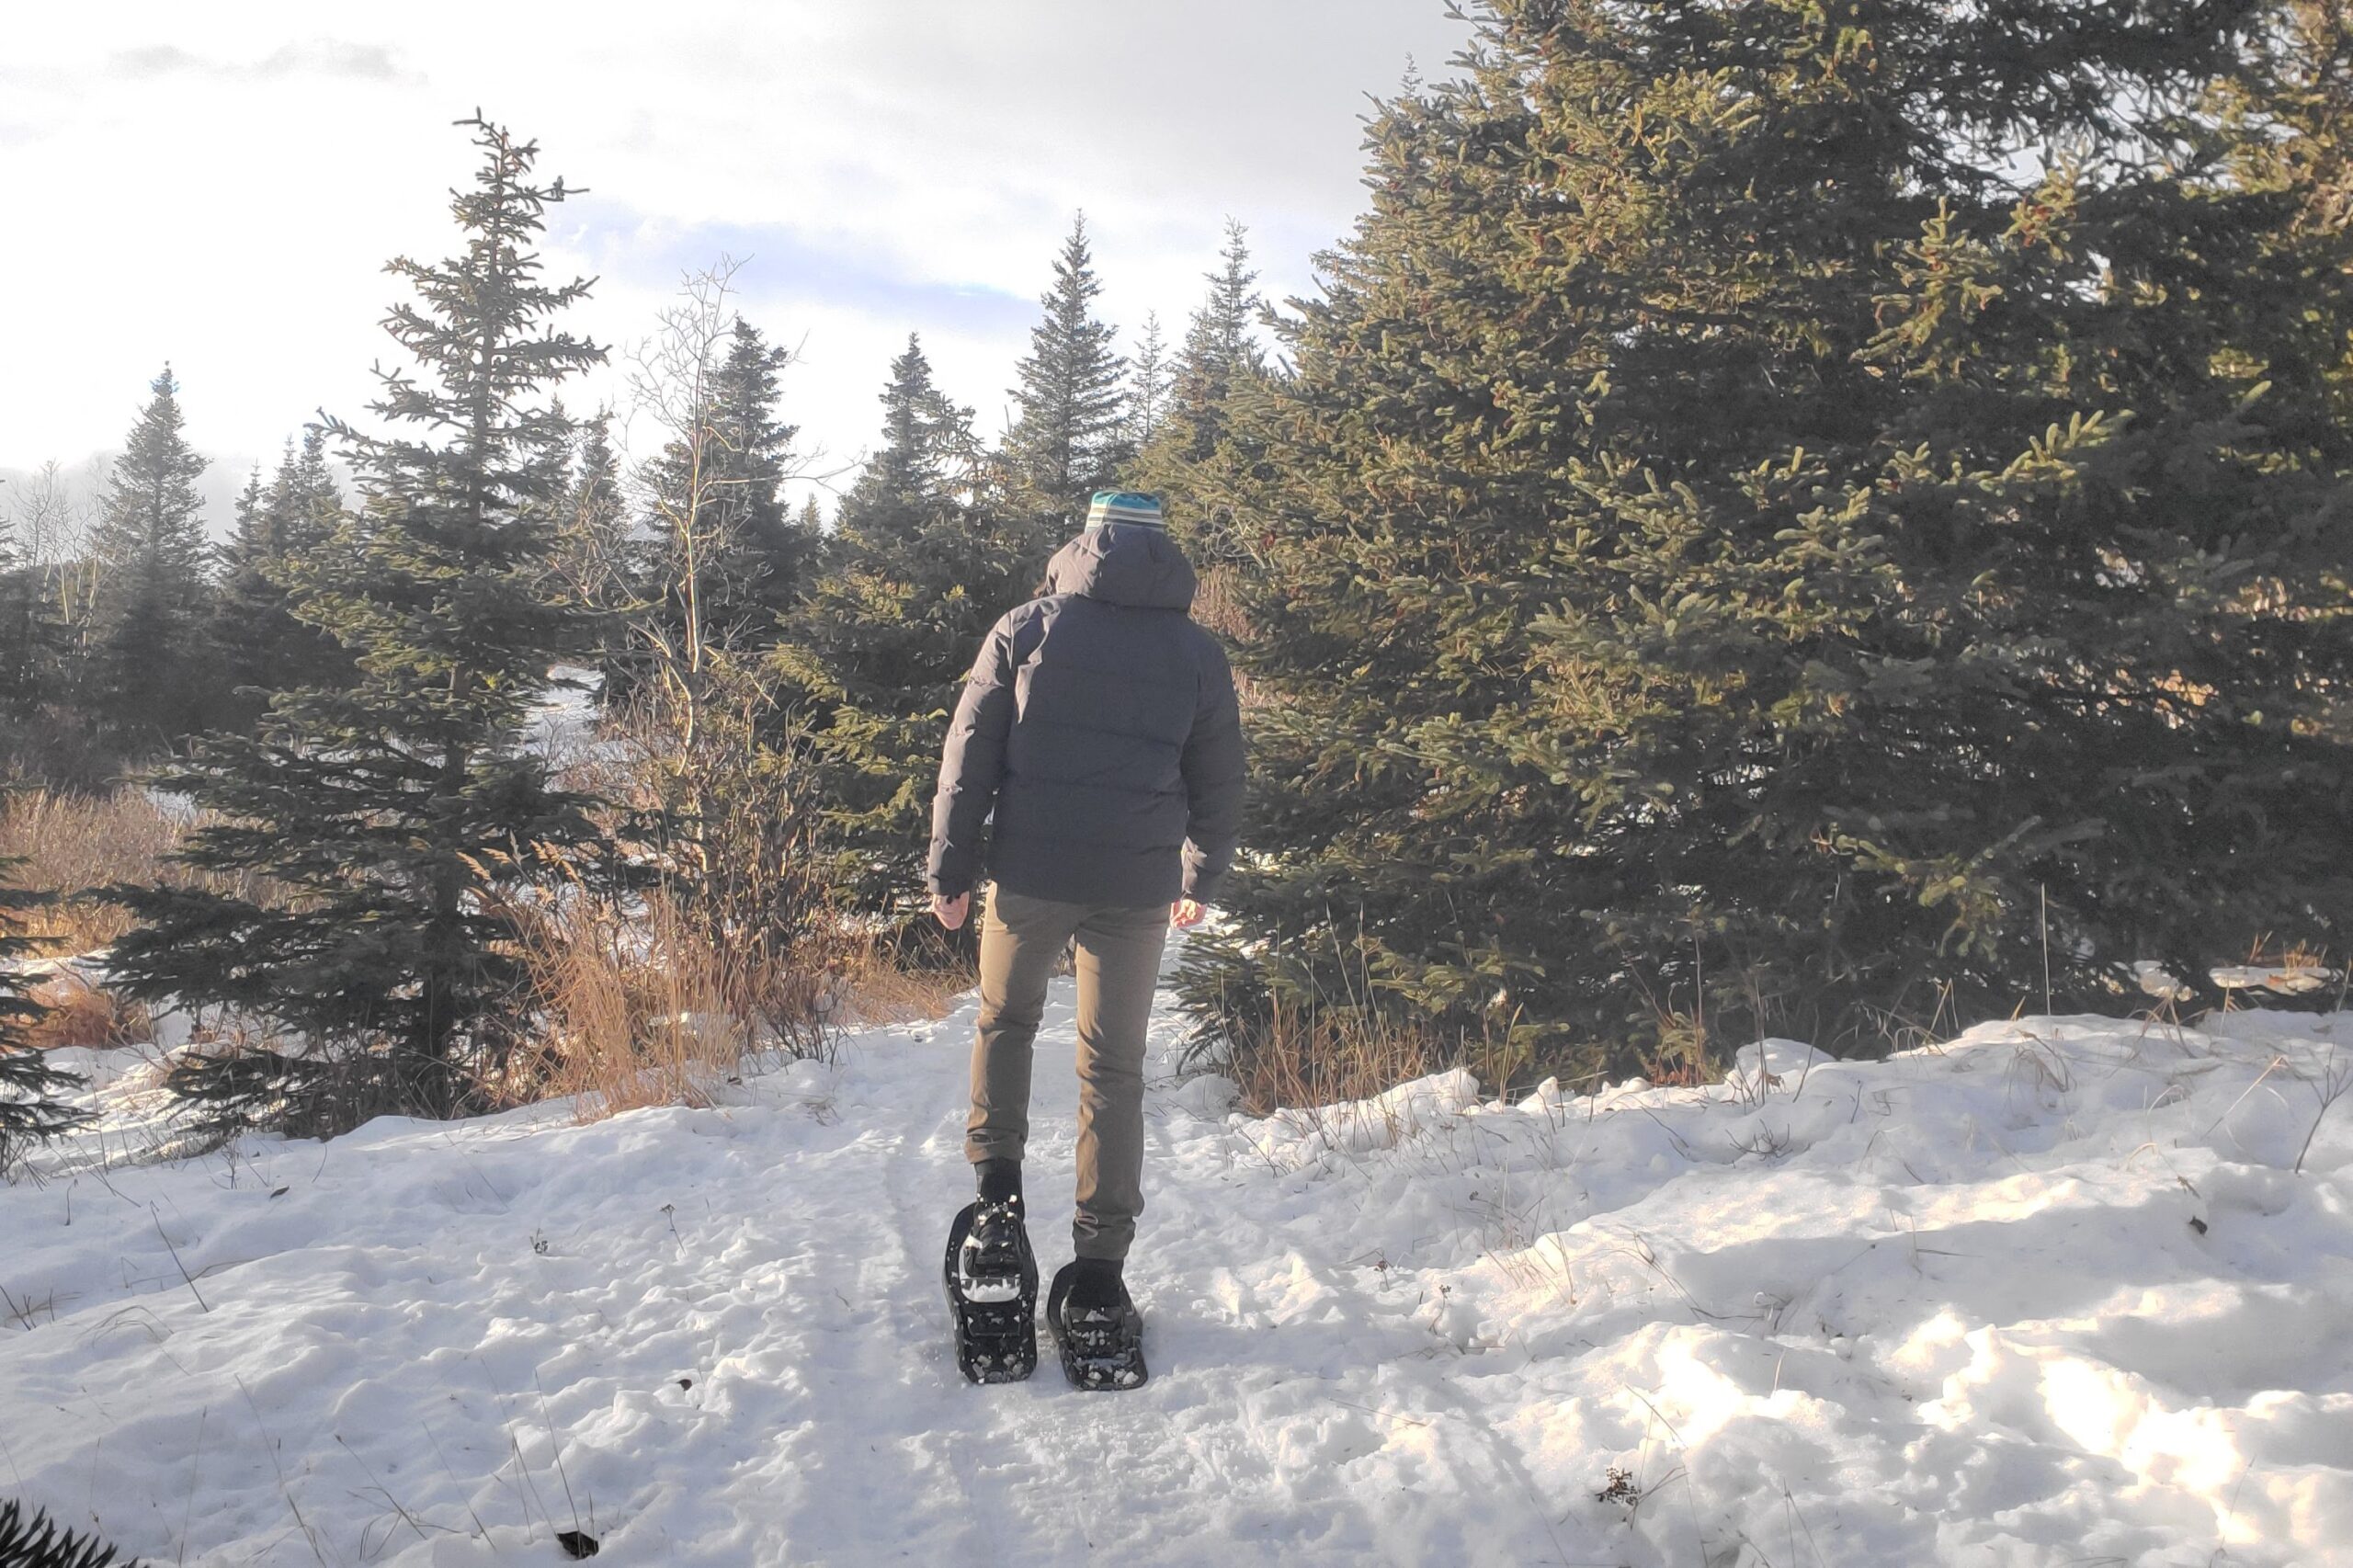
(1956, 1307)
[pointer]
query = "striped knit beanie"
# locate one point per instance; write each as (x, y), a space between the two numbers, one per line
(1134, 507)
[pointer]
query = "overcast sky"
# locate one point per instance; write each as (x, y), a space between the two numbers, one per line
(219, 185)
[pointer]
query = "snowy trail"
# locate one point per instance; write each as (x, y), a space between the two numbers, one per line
(2054, 1292)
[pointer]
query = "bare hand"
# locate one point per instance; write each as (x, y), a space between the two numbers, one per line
(1185, 913)
(950, 911)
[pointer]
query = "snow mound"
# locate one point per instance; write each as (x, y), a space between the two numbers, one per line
(1357, 1127)
(2062, 1290)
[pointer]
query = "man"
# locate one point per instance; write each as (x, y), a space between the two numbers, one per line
(1099, 724)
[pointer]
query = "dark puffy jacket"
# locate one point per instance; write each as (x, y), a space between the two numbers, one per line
(1100, 723)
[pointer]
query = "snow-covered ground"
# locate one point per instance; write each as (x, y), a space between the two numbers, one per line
(2053, 1293)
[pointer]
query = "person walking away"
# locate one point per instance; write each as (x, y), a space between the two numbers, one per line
(1099, 743)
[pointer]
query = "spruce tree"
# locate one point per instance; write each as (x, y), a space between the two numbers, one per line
(1747, 551)
(772, 550)
(1221, 351)
(595, 550)
(45, 726)
(1069, 433)
(719, 555)
(2295, 120)
(1149, 386)
(25, 641)
(916, 572)
(752, 553)
(30, 1110)
(149, 673)
(596, 516)
(397, 823)
(262, 646)
(1220, 363)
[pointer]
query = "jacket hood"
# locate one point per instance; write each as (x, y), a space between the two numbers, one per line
(1120, 565)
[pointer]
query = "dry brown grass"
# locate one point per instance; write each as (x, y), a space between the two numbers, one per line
(640, 1006)
(81, 1014)
(70, 844)
(73, 844)
(660, 997)
(1307, 1057)
(881, 992)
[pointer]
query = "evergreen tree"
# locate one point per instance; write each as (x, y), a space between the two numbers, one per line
(1068, 437)
(1221, 350)
(596, 549)
(1149, 386)
(2295, 122)
(401, 819)
(756, 457)
(719, 554)
(751, 555)
(596, 516)
(48, 732)
(916, 572)
(149, 675)
(1738, 555)
(1219, 362)
(263, 647)
(30, 1110)
(250, 530)
(25, 640)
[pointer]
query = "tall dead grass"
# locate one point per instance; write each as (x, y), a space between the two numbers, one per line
(657, 994)
(639, 1003)
(78, 1013)
(882, 989)
(1303, 1056)
(637, 1007)
(71, 844)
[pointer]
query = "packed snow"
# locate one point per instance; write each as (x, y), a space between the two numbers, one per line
(2061, 1291)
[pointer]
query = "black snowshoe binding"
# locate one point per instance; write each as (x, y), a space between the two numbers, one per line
(1102, 1347)
(992, 1279)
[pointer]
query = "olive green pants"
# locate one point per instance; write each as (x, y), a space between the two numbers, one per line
(1119, 963)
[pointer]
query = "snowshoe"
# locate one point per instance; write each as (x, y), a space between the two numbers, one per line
(991, 1279)
(1102, 1347)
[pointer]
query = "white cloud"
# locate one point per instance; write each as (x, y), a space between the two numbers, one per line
(219, 185)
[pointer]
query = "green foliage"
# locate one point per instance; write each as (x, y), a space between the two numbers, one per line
(30, 1110)
(26, 641)
(1746, 543)
(724, 556)
(917, 570)
(49, 727)
(595, 549)
(1070, 427)
(1151, 380)
(261, 645)
(149, 677)
(2293, 116)
(402, 818)
(1220, 365)
(1221, 351)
